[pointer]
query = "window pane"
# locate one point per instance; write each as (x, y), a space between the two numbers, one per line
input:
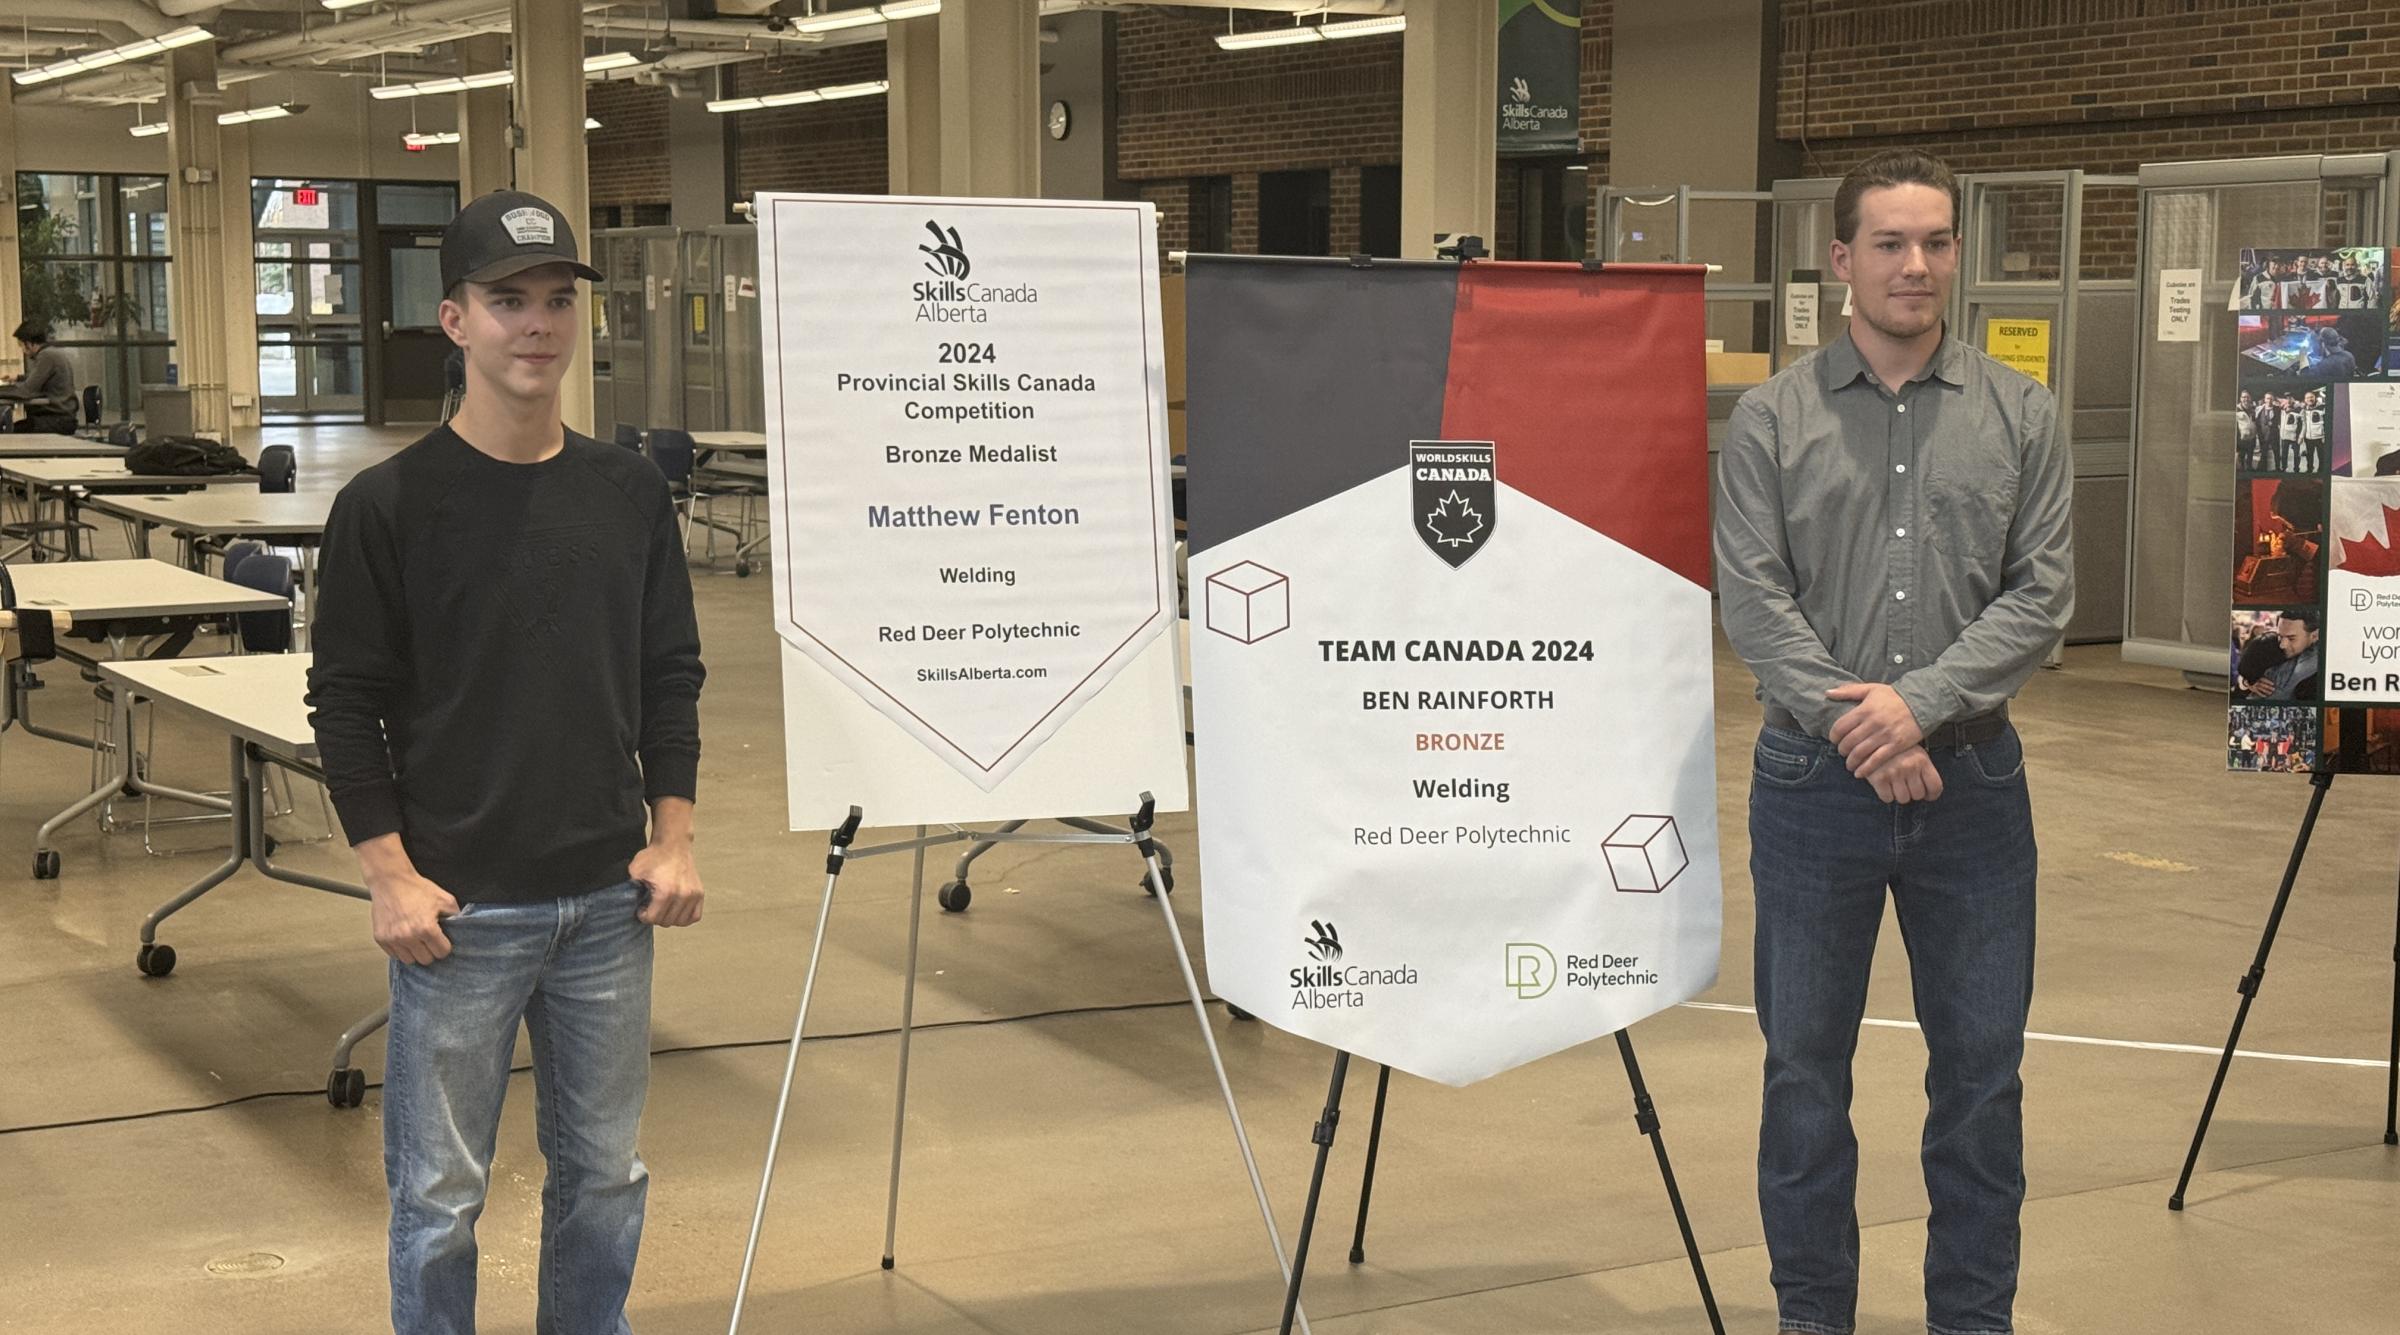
(143, 201)
(71, 296)
(332, 206)
(59, 215)
(275, 288)
(333, 289)
(417, 288)
(433, 205)
(151, 312)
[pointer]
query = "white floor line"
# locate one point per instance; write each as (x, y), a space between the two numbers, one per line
(2376, 1062)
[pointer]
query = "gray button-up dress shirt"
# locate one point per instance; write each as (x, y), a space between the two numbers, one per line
(1917, 535)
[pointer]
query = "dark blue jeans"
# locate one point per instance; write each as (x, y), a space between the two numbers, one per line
(1960, 870)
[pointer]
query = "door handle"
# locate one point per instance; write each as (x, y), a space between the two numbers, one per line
(387, 329)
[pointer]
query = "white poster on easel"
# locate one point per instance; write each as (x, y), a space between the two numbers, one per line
(973, 578)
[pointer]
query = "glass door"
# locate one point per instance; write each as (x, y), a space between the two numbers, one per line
(310, 297)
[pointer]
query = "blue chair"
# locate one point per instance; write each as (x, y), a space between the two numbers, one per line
(278, 468)
(673, 450)
(262, 632)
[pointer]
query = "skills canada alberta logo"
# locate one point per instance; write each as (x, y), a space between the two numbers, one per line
(1331, 985)
(947, 256)
(948, 297)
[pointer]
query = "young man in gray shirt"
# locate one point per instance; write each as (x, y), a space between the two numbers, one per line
(1894, 559)
(46, 393)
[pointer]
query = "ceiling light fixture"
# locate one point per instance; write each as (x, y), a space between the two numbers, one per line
(1300, 33)
(429, 140)
(146, 129)
(273, 113)
(834, 20)
(600, 64)
(115, 55)
(801, 96)
(345, 4)
(610, 60)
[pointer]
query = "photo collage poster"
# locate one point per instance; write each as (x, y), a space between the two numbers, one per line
(2313, 650)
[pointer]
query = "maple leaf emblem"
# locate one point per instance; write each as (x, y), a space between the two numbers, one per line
(1453, 521)
(2371, 555)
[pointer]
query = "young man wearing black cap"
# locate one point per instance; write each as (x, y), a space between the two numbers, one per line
(507, 672)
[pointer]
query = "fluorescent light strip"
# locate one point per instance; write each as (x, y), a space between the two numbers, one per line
(429, 140)
(834, 20)
(612, 60)
(146, 129)
(1335, 32)
(115, 55)
(345, 4)
(261, 114)
(1302, 33)
(800, 96)
(1244, 41)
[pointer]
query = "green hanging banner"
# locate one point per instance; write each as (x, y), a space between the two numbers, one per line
(1541, 75)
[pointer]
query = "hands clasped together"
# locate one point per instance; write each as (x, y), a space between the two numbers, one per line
(1880, 741)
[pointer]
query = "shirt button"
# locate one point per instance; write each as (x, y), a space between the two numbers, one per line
(1899, 658)
(1899, 468)
(1900, 595)
(1900, 533)
(1901, 407)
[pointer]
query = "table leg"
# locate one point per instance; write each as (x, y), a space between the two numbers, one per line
(158, 960)
(122, 782)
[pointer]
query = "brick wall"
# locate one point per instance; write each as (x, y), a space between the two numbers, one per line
(2105, 85)
(627, 155)
(827, 146)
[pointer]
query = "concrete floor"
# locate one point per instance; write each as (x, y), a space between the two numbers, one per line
(1069, 1165)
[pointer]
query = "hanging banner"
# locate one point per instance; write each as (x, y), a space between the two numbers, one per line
(966, 414)
(1451, 652)
(1541, 76)
(2316, 446)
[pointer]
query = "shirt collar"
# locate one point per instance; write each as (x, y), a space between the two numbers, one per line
(1842, 365)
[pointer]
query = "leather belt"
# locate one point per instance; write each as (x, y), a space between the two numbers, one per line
(1953, 736)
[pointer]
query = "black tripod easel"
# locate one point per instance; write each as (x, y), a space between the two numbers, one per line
(2320, 782)
(1645, 1119)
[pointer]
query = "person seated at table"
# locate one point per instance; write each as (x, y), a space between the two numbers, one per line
(47, 389)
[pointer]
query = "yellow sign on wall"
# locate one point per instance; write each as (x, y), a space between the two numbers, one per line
(2021, 344)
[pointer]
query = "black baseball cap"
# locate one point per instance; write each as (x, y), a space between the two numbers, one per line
(507, 232)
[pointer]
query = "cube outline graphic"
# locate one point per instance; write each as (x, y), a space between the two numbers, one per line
(1251, 589)
(1637, 858)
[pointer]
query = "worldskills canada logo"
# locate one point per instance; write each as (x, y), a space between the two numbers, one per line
(947, 256)
(1326, 945)
(1452, 491)
(1520, 90)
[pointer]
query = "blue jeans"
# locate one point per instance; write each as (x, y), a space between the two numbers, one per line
(1960, 869)
(576, 971)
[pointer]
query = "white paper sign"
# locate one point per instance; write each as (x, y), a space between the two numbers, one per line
(649, 291)
(2179, 305)
(729, 294)
(1800, 315)
(968, 463)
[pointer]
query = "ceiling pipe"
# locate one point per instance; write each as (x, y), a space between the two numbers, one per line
(138, 19)
(353, 34)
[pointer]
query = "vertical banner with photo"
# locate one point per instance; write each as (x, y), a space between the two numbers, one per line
(2316, 446)
(966, 408)
(1541, 76)
(1451, 652)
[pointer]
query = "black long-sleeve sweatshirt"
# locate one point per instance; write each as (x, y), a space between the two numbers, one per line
(507, 666)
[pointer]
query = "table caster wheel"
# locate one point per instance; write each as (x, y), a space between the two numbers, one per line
(1166, 877)
(272, 845)
(45, 865)
(954, 897)
(156, 960)
(1238, 1013)
(741, 570)
(346, 1087)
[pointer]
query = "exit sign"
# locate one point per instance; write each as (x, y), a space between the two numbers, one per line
(305, 198)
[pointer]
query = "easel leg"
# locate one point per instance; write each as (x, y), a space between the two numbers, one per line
(2319, 783)
(1323, 1136)
(908, 1020)
(1645, 1116)
(783, 1102)
(2391, 1093)
(1191, 985)
(1366, 1182)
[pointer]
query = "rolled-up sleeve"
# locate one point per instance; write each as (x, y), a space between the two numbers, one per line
(1756, 584)
(1997, 651)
